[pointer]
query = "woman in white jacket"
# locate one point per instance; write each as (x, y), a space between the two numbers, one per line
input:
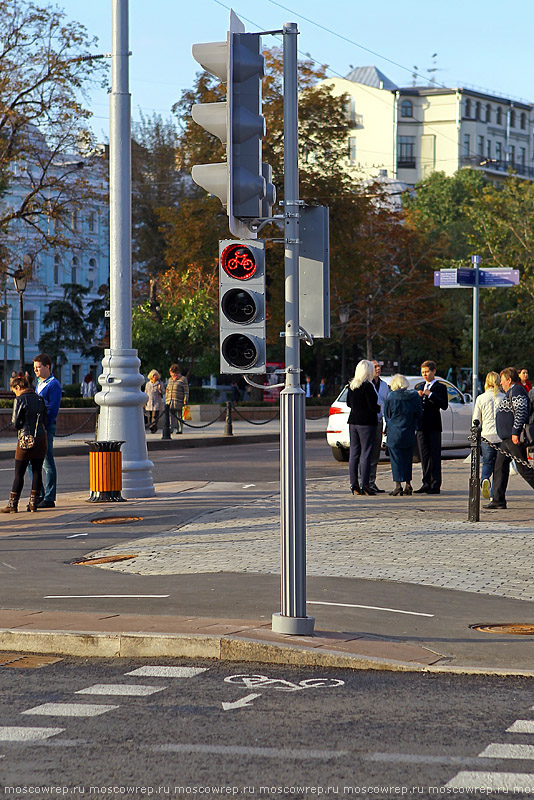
(486, 406)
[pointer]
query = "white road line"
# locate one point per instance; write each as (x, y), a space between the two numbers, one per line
(493, 781)
(5, 564)
(372, 608)
(75, 535)
(508, 751)
(70, 710)
(521, 726)
(133, 690)
(416, 758)
(20, 734)
(248, 485)
(266, 752)
(168, 672)
(69, 596)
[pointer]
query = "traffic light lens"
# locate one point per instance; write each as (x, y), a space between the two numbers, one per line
(238, 262)
(239, 351)
(239, 306)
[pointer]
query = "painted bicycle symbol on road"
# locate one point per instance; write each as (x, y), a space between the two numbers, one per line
(282, 685)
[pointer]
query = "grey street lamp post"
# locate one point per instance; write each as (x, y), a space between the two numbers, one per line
(344, 316)
(20, 279)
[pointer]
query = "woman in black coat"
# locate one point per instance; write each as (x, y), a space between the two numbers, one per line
(403, 411)
(362, 399)
(29, 416)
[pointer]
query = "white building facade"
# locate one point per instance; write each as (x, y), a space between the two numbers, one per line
(412, 132)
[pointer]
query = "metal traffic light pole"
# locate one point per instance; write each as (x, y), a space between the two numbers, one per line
(292, 618)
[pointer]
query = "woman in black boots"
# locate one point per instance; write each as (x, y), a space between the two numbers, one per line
(29, 419)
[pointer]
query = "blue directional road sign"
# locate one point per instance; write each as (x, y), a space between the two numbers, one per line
(464, 277)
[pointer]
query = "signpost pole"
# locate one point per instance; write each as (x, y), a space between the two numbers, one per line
(292, 619)
(476, 291)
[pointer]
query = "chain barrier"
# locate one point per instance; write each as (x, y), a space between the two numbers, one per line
(189, 425)
(264, 422)
(76, 430)
(506, 453)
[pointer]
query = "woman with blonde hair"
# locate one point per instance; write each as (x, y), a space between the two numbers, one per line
(485, 409)
(403, 411)
(155, 391)
(362, 400)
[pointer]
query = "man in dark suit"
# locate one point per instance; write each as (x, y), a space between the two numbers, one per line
(434, 397)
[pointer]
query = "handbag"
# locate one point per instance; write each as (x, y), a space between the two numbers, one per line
(186, 413)
(27, 440)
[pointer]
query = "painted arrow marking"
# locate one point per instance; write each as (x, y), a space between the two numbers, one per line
(245, 701)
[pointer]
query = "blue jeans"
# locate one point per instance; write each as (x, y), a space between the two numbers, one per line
(49, 466)
(488, 460)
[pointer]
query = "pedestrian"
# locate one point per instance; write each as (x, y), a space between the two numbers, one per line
(435, 400)
(523, 375)
(323, 388)
(511, 417)
(155, 392)
(486, 406)
(403, 411)
(49, 388)
(176, 395)
(88, 387)
(309, 387)
(236, 392)
(382, 391)
(29, 419)
(363, 420)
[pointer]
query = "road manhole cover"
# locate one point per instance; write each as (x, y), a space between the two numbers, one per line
(514, 628)
(115, 520)
(103, 560)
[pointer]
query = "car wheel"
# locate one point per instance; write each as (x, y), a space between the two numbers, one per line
(340, 453)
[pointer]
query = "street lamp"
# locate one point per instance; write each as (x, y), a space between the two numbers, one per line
(20, 279)
(344, 316)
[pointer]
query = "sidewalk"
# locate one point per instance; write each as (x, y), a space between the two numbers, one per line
(394, 583)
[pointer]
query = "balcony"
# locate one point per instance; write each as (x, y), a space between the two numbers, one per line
(406, 162)
(494, 165)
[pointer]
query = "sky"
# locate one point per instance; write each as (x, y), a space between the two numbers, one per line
(478, 43)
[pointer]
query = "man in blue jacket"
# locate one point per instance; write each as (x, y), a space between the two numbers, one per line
(49, 388)
(510, 418)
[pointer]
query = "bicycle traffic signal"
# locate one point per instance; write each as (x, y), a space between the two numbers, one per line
(242, 183)
(242, 306)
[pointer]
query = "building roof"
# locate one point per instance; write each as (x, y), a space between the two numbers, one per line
(371, 76)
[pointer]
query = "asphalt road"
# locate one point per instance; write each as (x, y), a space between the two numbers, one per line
(251, 730)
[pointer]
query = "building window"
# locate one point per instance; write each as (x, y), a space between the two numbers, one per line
(406, 108)
(352, 149)
(488, 112)
(76, 373)
(499, 116)
(406, 157)
(480, 146)
(523, 156)
(512, 153)
(91, 222)
(477, 111)
(512, 118)
(488, 148)
(523, 121)
(29, 325)
(468, 108)
(498, 151)
(74, 270)
(57, 269)
(75, 220)
(467, 144)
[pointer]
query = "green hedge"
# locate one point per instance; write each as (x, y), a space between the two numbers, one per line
(66, 402)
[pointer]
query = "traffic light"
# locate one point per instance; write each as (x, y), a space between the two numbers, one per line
(242, 183)
(242, 306)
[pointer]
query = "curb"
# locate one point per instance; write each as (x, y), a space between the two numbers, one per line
(93, 644)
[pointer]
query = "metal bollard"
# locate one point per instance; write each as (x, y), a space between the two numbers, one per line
(473, 513)
(166, 430)
(228, 431)
(105, 472)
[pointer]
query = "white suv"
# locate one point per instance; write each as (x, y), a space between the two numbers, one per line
(456, 420)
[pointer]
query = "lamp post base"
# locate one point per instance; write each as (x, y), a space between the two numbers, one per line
(296, 626)
(121, 404)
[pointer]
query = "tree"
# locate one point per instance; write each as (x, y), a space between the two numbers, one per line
(66, 320)
(44, 71)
